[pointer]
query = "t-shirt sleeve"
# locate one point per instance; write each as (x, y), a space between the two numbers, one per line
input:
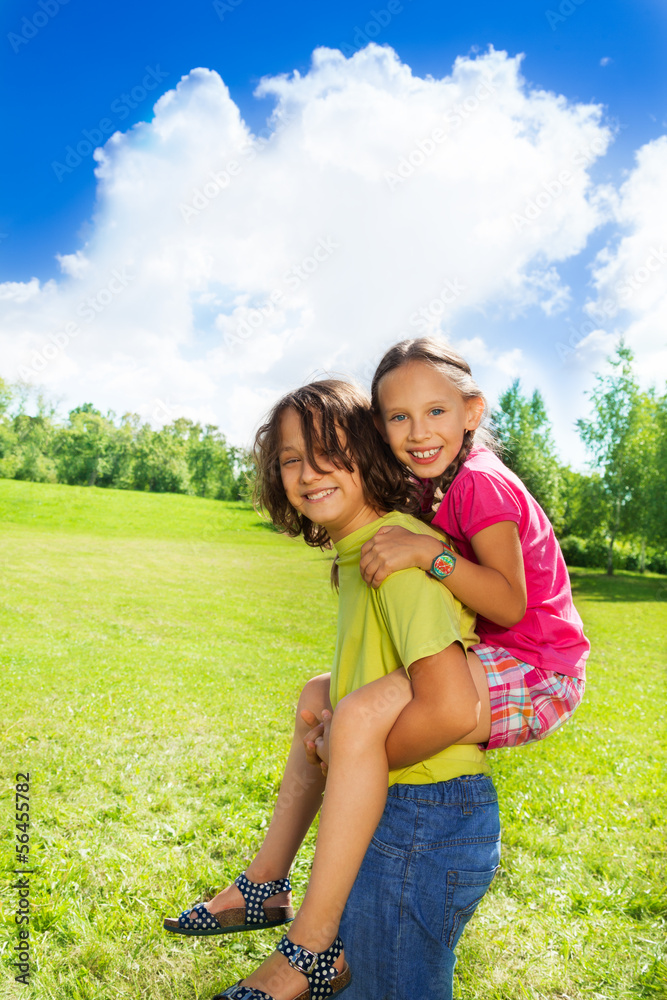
(420, 615)
(476, 502)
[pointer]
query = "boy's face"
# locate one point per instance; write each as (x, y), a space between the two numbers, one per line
(424, 418)
(333, 497)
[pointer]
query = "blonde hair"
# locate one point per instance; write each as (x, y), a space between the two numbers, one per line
(439, 355)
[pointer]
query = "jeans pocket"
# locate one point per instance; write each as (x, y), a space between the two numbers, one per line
(464, 893)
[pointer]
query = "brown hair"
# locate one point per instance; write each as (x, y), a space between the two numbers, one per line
(326, 408)
(439, 355)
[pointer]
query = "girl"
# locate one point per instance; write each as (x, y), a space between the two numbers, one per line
(322, 475)
(507, 565)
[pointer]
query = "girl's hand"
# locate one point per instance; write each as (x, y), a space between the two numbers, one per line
(393, 548)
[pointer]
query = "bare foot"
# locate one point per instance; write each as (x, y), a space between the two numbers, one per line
(276, 977)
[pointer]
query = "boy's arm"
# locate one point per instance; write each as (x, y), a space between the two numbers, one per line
(444, 708)
(411, 720)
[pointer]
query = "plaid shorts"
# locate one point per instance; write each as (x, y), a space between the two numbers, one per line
(527, 703)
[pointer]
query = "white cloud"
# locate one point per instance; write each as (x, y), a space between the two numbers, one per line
(74, 264)
(19, 291)
(630, 274)
(223, 269)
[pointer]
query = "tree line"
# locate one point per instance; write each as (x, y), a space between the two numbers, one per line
(93, 449)
(612, 517)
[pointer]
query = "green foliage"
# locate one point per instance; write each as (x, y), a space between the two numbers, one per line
(161, 460)
(647, 508)
(6, 396)
(153, 649)
(584, 501)
(523, 428)
(621, 500)
(628, 554)
(92, 449)
(83, 447)
(611, 437)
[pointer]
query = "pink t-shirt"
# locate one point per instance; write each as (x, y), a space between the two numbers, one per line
(550, 635)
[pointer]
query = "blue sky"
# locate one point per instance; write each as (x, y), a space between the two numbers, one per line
(66, 78)
(66, 68)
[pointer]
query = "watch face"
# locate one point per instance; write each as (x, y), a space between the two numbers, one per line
(443, 564)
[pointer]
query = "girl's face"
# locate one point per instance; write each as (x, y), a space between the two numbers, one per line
(423, 417)
(334, 497)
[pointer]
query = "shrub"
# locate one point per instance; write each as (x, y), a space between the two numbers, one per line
(592, 552)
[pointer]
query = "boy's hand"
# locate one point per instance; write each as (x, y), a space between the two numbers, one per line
(311, 737)
(322, 742)
(393, 548)
(316, 741)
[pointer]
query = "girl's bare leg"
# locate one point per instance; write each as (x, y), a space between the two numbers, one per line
(354, 802)
(298, 801)
(356, 796)
(483, 729)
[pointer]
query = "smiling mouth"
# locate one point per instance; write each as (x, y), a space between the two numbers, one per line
(320, 495)
(427, 455)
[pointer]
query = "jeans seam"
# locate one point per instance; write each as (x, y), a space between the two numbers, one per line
(460, 803)
(440, 845)
(397, 952)
(387, 849)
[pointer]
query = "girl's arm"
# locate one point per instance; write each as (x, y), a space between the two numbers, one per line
(495, 587)
(444, 708)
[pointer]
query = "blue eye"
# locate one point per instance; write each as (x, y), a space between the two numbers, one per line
(436, 411)
(399, 417)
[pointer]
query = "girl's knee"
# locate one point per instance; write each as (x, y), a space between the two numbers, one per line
(315, 695)
(374, 707)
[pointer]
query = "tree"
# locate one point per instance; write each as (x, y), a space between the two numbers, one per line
(245, 472)
(82, 447)
(210, 463)
(32, 440)
(524, 430)
(6, 396)
(95, 450)
(8, 462)
(610, 435)
(120, 454)
(647, 463)
(160, 462)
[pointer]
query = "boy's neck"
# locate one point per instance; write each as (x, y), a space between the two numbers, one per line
(363, 517)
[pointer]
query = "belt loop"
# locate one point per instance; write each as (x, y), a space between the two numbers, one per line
(466, 803)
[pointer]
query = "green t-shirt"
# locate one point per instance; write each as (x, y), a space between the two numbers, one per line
(409, 616)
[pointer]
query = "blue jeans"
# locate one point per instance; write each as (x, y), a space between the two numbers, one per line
(431, 860)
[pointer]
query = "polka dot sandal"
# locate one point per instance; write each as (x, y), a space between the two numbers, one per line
(318, 968)
(252, 917)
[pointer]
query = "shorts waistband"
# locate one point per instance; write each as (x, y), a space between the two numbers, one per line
(477, 788)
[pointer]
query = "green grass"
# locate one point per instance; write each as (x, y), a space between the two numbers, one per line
(151, 650)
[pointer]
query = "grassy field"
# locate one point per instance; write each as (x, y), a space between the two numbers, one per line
(151, 651)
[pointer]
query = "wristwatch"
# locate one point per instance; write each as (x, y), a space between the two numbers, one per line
(443, 565)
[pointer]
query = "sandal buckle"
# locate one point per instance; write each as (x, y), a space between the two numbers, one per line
(303, 960)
